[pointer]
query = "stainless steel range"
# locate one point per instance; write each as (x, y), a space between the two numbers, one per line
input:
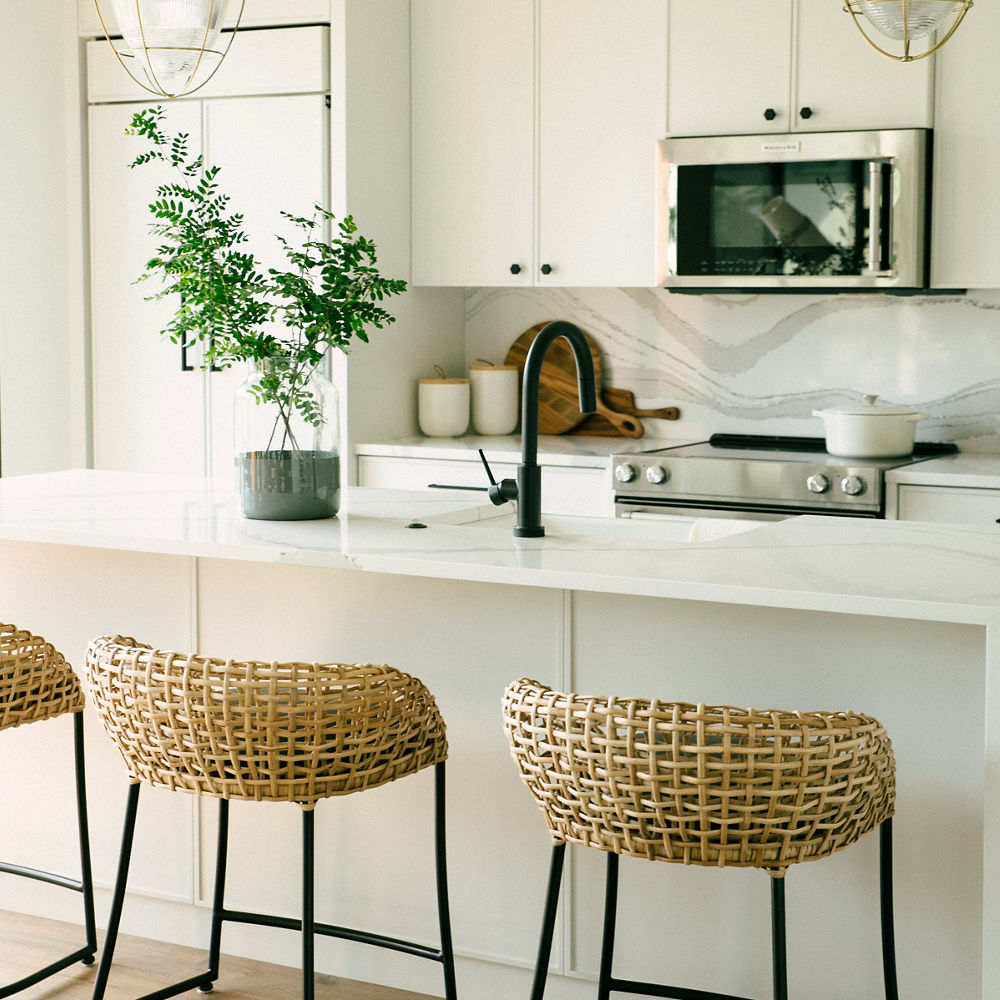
(756, 476)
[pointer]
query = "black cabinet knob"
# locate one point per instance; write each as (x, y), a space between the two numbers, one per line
(546, 268)
(770, 114)
(806, 112)
(515, 268)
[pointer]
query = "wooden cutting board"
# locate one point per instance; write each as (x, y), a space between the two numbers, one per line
(558, 400)
(621, 401)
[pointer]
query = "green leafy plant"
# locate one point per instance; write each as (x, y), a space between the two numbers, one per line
(240, 312)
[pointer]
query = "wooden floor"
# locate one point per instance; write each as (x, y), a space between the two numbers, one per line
(142, 966)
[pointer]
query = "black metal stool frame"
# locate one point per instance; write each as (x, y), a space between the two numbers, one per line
(84, 885)
(307, 924)
(608, 984)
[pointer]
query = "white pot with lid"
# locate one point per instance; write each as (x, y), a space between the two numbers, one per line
(869, 430)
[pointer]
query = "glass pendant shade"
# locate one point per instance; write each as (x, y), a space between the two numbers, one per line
(168, 47)
(906, 21)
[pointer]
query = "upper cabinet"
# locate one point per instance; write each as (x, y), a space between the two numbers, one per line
(965, 247)
(534, 136)
(784, 66)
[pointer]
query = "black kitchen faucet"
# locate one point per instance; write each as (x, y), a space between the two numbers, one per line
(527, 490)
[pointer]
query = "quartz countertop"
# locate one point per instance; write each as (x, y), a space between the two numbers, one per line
(895, 569)
(968, 469)
(574, 450)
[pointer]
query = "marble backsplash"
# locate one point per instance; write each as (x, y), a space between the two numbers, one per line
(762, 363)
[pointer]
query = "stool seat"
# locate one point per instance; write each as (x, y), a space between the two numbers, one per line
(700, 784)
(275, 732)
(36, 682)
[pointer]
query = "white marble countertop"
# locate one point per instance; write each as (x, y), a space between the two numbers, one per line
(968, 469)
(581, 451)
(894, 569)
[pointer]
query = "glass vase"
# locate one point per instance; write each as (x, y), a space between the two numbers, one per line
(287, 428)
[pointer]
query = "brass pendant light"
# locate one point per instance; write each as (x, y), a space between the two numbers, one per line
(169, 47)
(908, 20)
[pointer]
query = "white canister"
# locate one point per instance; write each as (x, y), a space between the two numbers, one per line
(494, 398)
(443, 406)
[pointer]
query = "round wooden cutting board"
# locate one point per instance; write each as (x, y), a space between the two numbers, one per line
(558, 395)
(558, 405)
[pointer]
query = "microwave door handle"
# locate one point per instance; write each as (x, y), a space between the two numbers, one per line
(879, 215)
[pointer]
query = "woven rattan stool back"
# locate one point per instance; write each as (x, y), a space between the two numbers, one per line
(36, 682)
(697, 784)
(289, 732)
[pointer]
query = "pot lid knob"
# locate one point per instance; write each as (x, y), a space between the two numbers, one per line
(870, 400)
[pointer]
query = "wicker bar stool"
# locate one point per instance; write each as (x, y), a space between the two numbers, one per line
(700, 785)
(266, 732)
(37, 683)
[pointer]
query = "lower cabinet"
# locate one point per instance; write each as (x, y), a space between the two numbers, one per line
(948, 504)
(574, 491)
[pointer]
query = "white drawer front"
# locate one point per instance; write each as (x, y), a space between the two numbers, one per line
(950, 505)
(580, 492)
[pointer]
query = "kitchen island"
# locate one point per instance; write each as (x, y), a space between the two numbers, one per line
(894, 619)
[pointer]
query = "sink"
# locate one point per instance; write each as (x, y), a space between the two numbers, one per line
(663, 528)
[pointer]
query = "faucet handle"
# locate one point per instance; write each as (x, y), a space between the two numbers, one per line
(499, 493)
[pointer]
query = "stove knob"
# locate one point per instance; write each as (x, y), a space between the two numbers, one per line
(656, 475)
(853, 486)
(626, 472)
(818, 483)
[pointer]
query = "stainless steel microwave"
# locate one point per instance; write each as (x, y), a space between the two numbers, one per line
(816, 211)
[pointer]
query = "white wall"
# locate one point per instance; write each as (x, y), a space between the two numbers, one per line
(43, 370)
(762, 363)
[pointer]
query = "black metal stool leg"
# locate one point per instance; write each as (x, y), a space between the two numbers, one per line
(441, 867)
(885, 897)
(86, 872)
(610, 921)
(85, 884)
(218, 897)
(308, 904)
(778, 955)
(118, 899)
(548, 921)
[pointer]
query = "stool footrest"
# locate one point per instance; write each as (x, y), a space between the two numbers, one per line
(332, 930)
(670, 992)
(80, 955)
(182, 987)
(42, 876)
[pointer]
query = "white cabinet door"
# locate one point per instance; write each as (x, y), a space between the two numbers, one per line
(473, 139)
(147, 411)
(846, 85)
(965, 230)
(729, 67)
(784, 66)
(149, 414)
(503, 195)
(949, 505)
(272, 154)
(602, 97)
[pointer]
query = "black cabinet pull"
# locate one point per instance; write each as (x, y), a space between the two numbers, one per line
(515, 268)
(546, 268)
(806, 112)
(186, 366)
(770, 114)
